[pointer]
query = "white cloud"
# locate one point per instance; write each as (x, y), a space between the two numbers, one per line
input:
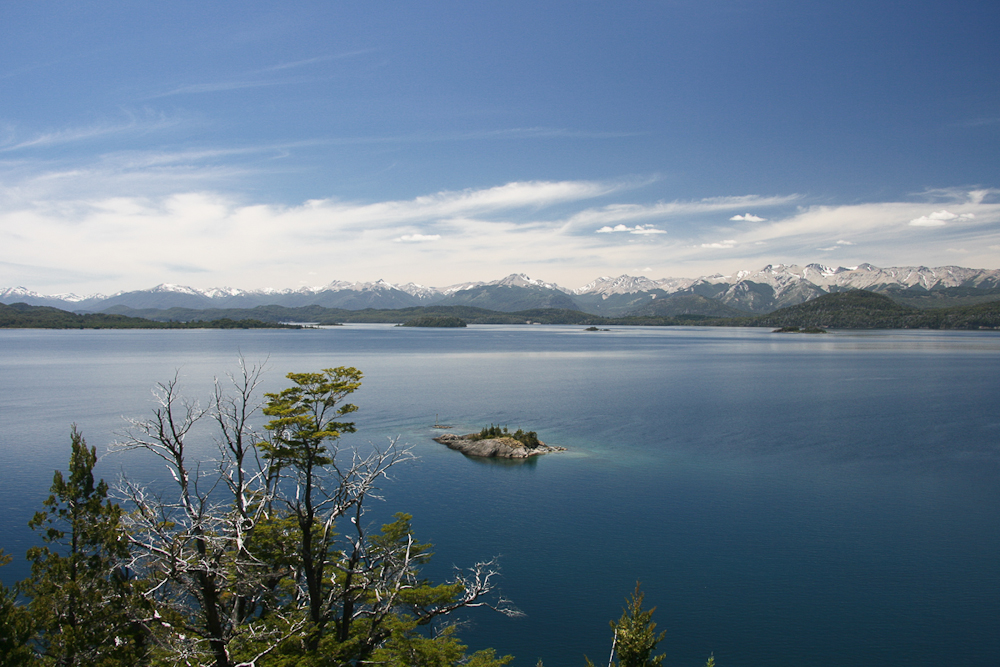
(638, 229)
(418, 238)
(977, 196)
(749, 217)
(106, 243)
(939, 219)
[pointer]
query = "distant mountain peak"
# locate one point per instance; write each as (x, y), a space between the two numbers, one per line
(523, 280)
(17, 291)
(176, 289)
(623, 284)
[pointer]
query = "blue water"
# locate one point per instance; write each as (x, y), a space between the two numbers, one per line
(785, 500)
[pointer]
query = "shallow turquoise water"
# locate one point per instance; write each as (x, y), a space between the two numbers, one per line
(785, 500)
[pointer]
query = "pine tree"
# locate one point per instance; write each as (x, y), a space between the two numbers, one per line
(81, 597)
(635, 636)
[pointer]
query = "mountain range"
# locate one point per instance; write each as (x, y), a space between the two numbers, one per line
(761, 291)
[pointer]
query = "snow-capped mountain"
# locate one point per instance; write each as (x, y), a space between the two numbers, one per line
(623, 284)
(19, 293)
(779, 285)
(421, 292)
(865, 276)
(521, 280)
(62, 301)
(510, 294)
(760, 290)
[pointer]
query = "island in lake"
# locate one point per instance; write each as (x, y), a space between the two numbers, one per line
(497, 442)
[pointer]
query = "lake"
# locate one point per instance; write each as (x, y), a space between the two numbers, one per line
(784, 499)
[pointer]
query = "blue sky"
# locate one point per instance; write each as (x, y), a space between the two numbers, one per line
(265, 145)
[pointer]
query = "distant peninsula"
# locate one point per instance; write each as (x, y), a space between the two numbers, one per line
(496, 442)
(23, 316)
(437, 321)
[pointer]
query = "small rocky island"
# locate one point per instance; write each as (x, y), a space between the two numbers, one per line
(494, 442)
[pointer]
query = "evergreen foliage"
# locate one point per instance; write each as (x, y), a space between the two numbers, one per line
(15, 626)
(83, 602)
(860, 309)
(634, 636)
(23, 316)
(442, 321)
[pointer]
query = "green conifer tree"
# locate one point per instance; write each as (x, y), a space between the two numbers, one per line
(635, 636)
(81, 597)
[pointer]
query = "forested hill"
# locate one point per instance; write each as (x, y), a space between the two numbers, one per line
(855, 309)
(23, 316)
(859, 309)
(325, 316)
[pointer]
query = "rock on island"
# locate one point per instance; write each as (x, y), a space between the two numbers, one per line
(502, 447)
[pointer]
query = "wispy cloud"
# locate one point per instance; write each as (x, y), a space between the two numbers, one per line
(981, 122)
(316, 60)
(544, 133)
(496, 134)
(134, 123)
(958, 195)
(839, 245)
(730, 243)
(223, 86)
(252, 79)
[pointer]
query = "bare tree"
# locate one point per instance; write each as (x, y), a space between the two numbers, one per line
(266, 546)
(192, 545)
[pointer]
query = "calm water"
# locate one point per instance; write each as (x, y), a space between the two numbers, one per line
(785, 500)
